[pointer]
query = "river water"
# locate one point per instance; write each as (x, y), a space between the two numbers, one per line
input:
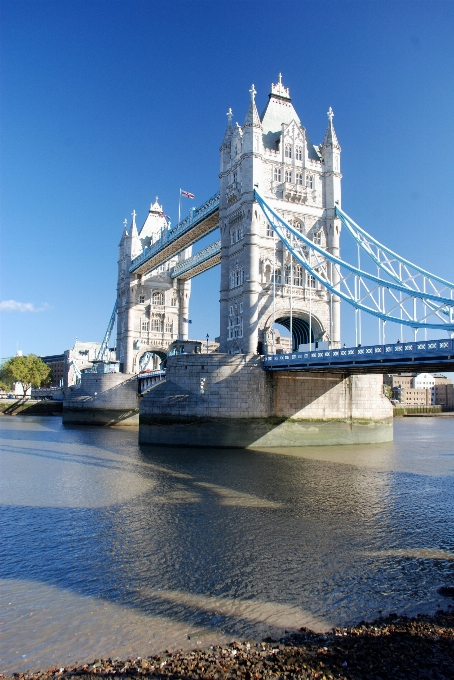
(111, 549)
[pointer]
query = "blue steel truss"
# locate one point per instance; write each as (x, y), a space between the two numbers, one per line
(400, 292)
(374, 358)
(104, 345)
(170, 235)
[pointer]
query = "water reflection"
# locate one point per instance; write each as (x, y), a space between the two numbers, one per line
(162, 543)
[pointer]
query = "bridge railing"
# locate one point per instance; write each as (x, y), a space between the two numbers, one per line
(427, 349)
(149, 379)
(171, 235)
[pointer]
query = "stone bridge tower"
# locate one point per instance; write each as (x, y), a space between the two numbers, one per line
(260, 285)
(152, 309)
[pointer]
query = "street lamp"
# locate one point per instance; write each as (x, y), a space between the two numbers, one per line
(208, 337)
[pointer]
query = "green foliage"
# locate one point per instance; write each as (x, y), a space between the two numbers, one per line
(29, 370)
(387, 391)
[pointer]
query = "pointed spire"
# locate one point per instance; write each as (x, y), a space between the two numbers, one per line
(124, 234)
(252, 116)
(330, 135)
(228, 132)
(134, 231)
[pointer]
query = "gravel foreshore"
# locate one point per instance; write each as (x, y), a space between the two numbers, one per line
(386, 649)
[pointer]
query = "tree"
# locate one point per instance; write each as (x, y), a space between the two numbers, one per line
(29, 370)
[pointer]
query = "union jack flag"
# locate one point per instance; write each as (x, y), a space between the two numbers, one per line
(186, 193)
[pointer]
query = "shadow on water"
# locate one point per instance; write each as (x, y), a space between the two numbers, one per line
(229, 540)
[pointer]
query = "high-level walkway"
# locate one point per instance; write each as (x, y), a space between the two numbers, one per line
(198, 224)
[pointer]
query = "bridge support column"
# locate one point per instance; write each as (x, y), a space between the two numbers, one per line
(129, 345)
(184, 292)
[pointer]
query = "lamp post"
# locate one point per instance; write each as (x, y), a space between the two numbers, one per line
(208, 337)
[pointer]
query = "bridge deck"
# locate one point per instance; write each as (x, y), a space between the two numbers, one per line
(198, 263)
(420, 356)
(203, 221)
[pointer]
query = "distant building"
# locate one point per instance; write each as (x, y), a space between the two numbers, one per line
(421, 389)
(442, 391)
(56, 363)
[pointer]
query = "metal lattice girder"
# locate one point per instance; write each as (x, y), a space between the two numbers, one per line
(387, 296)
(103, 349)
(397, 267)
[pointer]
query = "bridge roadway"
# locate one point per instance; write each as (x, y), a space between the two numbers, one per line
(419, 356)
(198, 224)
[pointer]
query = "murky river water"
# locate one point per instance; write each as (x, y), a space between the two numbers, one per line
(111, 549)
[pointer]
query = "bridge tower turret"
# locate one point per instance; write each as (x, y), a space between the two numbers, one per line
(260, 285)
(332, 189)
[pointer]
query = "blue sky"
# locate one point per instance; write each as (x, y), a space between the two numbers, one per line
(106, 104)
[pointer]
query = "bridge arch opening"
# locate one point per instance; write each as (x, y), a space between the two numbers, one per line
(151, 360)
(302, 333)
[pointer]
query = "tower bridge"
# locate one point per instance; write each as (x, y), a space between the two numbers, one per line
(279, 215)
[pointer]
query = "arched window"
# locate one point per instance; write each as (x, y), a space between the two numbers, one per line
(157, 325)
(297, 275)
(310, 182)
(299, 153)
(157, 298)
(277, 277)
(299, 178)
(173, 301)
(288, 175)
(288, 150)
(169, 326)
(317, 238)
(145, 325)
(277, 174)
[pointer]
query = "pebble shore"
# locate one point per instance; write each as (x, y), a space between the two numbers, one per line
(391, 648)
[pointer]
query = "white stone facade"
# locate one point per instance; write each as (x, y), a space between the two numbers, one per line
(152, 309)
(302, 182)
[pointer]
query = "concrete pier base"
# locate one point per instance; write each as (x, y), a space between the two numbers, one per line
(221, 400)
(102, 399)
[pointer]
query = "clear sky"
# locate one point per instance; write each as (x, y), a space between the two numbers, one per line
(107, 104)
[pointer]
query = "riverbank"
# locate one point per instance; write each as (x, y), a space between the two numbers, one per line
(31, 407)
(392, 648)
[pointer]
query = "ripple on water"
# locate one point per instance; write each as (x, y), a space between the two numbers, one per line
(111, 549)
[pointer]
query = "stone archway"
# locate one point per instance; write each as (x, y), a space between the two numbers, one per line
(149, 358)
(302, 327)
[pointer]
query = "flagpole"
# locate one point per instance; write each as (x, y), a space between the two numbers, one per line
(179, 208)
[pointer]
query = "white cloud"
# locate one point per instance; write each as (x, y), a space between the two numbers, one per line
(14, 306)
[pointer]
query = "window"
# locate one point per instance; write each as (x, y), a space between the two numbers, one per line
(277, 174)
(310, 182)
(169, 326)
(236, 235)
(277, 277)
(236, 277)
(145, 325)
(156, 325)
(299, 178)
(269, 230)
(235, 327)
(311, 283)
(157, 298)
(297, 275)
(288, 150)
(173, 301)
(288, 175)
(141, 299)
(317, 238)
(299, 153)
(287, 274)
(230, 310)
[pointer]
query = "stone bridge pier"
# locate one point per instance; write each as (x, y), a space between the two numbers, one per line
(221, 400)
